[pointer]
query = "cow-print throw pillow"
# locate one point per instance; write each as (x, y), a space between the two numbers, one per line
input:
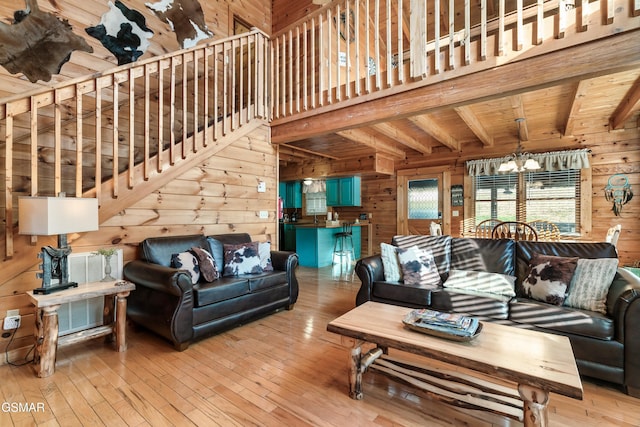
(208, 267)
(187, 261)
(549, 277)
(243, 258)
(418, 267)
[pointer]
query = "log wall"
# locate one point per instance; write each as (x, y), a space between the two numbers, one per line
(217, 196)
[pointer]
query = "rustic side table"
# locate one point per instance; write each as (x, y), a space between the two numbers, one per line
(46, 328)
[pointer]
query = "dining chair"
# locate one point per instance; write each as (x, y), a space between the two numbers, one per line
(515, 230)
(485, 228)
(546, 230)
(613, 234)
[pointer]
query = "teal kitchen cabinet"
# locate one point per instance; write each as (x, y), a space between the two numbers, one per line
(289, 237)
(344, 191)
(291, 193)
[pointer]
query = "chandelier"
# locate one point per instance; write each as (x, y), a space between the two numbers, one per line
(519, 161)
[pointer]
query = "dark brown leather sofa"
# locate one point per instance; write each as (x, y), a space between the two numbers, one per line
(606, 346)
(167, 303)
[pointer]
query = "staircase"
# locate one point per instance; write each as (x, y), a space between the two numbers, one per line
(122, 134)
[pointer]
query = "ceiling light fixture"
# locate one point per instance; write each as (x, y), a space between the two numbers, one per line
(519, 161)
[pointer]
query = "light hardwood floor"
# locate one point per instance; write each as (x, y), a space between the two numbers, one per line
(284, 369)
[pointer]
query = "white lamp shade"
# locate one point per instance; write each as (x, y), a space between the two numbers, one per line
(531, 164)
(47, 216)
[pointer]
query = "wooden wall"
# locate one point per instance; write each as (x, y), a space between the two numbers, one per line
(81, 14)
(217, 196)
(612, 152)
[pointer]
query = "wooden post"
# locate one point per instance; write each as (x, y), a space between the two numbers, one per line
(535, 403)
(121, 321)
(46, 334)
(108, 316)
(355, 374)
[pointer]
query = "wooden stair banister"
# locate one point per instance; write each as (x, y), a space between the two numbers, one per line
(163, 114)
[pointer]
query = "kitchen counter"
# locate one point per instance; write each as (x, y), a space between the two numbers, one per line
(315, 242)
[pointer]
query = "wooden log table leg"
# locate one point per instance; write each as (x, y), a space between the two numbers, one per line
(121, 321)
(46, 335)
(535, 403)
(108, 316)
(355, 373)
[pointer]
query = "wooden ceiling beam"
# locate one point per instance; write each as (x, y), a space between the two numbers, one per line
(428, 125)
(576, 104)
(376, 142)
(310, 152)
(469, 117)
(402, 137)
(627, 107)
(518, 111)
(325, 168)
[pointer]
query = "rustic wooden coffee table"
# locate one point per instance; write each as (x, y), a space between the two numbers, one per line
(538, 363)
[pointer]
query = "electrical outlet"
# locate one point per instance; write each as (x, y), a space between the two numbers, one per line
(264, 214)
(11, 322)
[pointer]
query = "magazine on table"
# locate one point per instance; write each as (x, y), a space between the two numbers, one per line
(447, 323)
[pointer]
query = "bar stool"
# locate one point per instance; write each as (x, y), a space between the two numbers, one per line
(343, 251)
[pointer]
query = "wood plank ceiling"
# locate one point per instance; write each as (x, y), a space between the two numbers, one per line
(569, 110)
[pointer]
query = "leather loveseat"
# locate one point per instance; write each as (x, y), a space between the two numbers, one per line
(169, 304)
(605, 345)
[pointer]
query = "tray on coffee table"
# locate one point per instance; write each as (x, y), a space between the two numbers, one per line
(433, 323)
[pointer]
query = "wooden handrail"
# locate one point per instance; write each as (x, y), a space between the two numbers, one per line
(75, 135)
(363, 50)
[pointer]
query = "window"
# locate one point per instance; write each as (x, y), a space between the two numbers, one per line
(551, 196)
(316, 203)
(422, 198)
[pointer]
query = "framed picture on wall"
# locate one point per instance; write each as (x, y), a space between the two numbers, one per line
(457, 195)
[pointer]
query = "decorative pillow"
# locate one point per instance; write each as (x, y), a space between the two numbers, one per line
(590, 285)
(241, 259)
(418, 267)
(440, 247)
(549, 277)
(208, 268)
(390, 262)
(187, 261)
(481, 281)
(264, 249)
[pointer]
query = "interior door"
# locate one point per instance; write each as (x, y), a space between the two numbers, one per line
(421, 201)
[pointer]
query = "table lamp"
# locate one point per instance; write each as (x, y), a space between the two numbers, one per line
(47, 216)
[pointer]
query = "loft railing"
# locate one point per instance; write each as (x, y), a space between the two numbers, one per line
(136, 120)
(356, 50)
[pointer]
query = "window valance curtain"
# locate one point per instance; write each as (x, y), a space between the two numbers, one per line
(551, 161)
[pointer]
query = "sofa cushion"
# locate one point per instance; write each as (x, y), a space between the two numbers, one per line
(208, 268)
(562, 319)
(418, 267)
(217, 241)
(481, 281)
(390, 263)
(243, 258)
(525, 250)
(187, 261)
(549, 277)
(264, 250)
(222, 289)
(440, 247)
(491, 255)
(258, 282)
(411, 296)
(590, 284)
(158, 250)
(471, 303)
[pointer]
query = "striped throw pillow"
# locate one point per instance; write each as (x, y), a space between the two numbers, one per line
(590, 284)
